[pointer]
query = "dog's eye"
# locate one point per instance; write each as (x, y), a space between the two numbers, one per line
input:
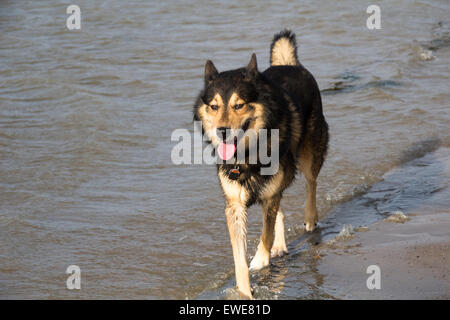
(238, 106)
(214, 106)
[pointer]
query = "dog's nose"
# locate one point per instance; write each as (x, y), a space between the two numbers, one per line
(222, 132)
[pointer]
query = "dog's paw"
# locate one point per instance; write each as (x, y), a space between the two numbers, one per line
(278, 251)
(247, 295)
(310, 226)
(260, 261)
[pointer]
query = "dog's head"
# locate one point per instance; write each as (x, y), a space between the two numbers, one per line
(228, 106)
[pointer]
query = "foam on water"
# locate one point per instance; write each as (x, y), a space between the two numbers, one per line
(397, 217)
(419, 182)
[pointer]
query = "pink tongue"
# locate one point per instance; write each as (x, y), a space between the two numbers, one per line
(226, 151)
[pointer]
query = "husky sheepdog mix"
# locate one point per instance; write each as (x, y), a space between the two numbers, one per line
(284, 97)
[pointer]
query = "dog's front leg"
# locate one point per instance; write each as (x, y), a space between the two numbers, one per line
(279, 243)
(237, 226)
(262, 257)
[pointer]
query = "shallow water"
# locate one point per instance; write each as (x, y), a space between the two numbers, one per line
(420, 186)
(86, 117)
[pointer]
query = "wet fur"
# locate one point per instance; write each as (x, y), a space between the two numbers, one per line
(284, 97)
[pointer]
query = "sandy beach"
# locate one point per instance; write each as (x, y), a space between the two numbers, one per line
(412, 256)
(411, 249)
(401, 225)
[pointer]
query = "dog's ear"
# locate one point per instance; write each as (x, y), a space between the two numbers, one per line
(210, 71)
(252, 68)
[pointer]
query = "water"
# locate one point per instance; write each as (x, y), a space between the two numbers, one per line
(86, 118)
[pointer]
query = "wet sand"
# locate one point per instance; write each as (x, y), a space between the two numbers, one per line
(401, 225)
(411, 246)
(412, 256)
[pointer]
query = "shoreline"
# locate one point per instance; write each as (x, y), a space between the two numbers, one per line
(400, 225)
(412, 257)
(411, 247)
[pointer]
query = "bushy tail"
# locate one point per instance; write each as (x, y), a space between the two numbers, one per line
(283, 51)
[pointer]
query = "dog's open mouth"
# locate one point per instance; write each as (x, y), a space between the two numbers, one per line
(225, 150)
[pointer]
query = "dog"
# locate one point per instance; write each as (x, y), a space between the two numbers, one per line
(285, 97)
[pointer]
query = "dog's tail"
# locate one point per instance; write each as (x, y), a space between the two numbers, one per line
(283, 51)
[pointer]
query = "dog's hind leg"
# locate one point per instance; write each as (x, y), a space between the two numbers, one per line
(236, 215)
(310, 172)
(279, 243)
(270, 209)
(311, 216)
(312, 157)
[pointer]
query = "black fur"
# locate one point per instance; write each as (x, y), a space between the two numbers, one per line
(289, 99)
(274, 88)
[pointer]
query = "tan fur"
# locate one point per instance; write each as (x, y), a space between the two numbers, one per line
(236, 214)
(279, 243)
(283, 53)
(274, 186)
(306, 167)
(303, 133)
(295, 128)
(232, 190)
(235, 99)
(229, 117)
(217, 100)
(258, 116)
(237, 226)
(207, 123)
(269, 211)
